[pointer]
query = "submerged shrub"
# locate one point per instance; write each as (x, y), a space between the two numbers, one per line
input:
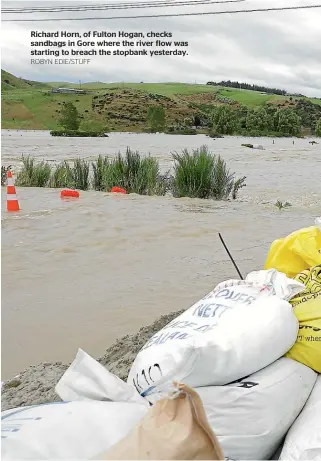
(99, 167)
(201, 174)
(79, 134)
(62, 176)
(193, 173)
(73, 177)
(4, 173)
(281, 205)
(129, 171)
(222, 179)
(33, 174)
(238, 184)
(80, 174)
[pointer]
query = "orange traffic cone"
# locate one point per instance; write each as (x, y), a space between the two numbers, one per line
(12, 201)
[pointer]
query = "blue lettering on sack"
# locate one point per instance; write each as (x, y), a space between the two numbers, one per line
(162, 338)
(180, 324)
(233, 295)
(147, 376)
(210, 310)
(17, 423)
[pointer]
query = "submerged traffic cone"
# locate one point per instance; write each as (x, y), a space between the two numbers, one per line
(118, 190)
(12, 201)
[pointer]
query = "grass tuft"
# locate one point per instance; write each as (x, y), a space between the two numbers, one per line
(32, 174)
(201, 174)
(80, 174)
(281, 205)
(4, 173)
(131, 172)
(73, 177)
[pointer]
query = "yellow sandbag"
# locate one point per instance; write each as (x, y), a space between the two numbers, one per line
(296, 252)
(307, 308)
(311, 278)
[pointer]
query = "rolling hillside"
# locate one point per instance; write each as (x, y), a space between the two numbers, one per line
(9, 82)
(123, 106)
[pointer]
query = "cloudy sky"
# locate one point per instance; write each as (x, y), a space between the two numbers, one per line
(279, 49)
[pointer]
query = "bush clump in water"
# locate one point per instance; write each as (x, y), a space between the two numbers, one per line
(73, 177)
(32, 174)
(4, 174)
(201, 174)
(282, 205)
(131, 172)
(79, 134)
(62, 176)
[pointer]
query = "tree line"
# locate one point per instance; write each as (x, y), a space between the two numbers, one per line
(230, 120)
(248, 86)
(224, 119)
(260, 121)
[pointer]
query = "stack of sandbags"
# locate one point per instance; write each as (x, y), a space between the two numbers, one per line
(66, 430)
(99, 410)
(307, 308)
(251, 416)
(299, 256)
(175, 428)
(237, 329)
(303, 441)
(90, 426)
(297, 252)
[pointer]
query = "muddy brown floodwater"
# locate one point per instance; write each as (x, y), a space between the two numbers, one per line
(83, 273)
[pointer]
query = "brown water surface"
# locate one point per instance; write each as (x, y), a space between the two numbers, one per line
(82, 273)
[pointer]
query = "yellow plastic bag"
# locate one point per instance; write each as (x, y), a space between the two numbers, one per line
(298, 251)
(307, 308)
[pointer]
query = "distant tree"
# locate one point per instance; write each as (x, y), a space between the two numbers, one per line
(197, 120)
(309, 113)
(287, 122)
(225, 120)
(318, 128)
(156, 118)
(69, 117)
(248, 86)
(259, 120)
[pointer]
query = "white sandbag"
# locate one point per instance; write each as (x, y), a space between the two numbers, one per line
(303, 441)
(237, 329)
(87, 379)
(252, 416)
(66, 430)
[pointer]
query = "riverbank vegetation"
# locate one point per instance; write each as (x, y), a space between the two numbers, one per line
(226, 108)
(196, 174)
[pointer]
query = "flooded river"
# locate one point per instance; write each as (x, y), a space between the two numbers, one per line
(82, 273)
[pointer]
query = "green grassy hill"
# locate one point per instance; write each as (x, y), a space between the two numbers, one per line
(10, 82)
(123, 106)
